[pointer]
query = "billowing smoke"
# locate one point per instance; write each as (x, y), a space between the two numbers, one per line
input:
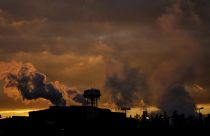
(127, 88)
(176, 26)
(76, 96)
(177, 67)
(177, 99)
(170, 45)
(32, 84)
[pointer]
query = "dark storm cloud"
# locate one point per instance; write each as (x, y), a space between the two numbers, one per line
(167, 40)
(44, 22)
(177, 98)
(85, 10)
(70, 20)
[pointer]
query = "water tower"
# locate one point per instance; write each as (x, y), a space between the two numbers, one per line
(91, 97)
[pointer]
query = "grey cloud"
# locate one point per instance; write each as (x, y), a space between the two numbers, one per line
(177, 99)
(128, 87)
(135, 31)
(85, 10)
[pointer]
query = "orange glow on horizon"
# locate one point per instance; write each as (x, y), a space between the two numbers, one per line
(132, 112)
(16, 112)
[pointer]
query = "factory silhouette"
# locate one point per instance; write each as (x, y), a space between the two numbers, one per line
(63, 120)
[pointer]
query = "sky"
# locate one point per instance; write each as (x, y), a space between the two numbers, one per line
(134, 51)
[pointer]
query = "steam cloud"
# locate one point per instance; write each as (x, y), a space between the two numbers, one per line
(177, 98)
(175, 26)
(180, 69)
(32, 84)
(128, 88)
(182, 41)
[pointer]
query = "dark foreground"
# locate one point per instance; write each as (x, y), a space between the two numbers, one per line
(92, 120)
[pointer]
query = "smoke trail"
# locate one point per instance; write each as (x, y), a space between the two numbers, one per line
(127, 89)
(76, 96)
(32, 84)
(177, 98)
(181, 68)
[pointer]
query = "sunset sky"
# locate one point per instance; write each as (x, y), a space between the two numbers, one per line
(132, 50)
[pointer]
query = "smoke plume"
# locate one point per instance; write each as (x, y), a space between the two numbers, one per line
(179, 67)
(127, 88)
(76, 96)
(165, 43)
(175, 25)
(177, 99)
(32, 84)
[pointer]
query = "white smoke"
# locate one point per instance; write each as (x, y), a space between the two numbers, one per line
(32, 84)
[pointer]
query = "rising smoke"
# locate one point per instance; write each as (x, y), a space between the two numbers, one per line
(175, 25)
(177, 99)
(32, 84)
(178, 31)
(175, 28)
(127, 88)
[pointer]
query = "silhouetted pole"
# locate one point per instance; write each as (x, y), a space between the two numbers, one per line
(199, 110)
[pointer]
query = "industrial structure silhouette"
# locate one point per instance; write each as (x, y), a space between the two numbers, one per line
(66, 119)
